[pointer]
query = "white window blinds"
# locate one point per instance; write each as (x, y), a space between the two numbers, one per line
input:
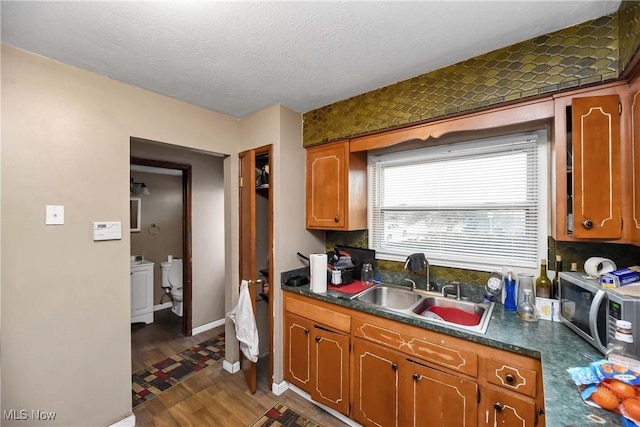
(474, 204)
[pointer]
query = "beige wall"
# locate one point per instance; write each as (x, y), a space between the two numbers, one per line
(162, 207)
(207, 223)
(65, 308)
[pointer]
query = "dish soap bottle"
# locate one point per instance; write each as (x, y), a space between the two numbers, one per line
(543, 284)
(510, 289)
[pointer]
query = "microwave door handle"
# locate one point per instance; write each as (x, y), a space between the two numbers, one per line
(593, 319)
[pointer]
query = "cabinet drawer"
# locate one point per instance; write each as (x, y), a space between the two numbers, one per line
(314, 312)
(512, 377)
(439, 353)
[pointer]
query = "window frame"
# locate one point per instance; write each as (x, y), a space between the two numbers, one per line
(544, 182)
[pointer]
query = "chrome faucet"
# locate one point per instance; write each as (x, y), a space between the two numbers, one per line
(414, 264)
(455, 285)
(413, 284)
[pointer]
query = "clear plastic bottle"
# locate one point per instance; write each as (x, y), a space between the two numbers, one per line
(510, 289)
(493, 287)
(366, 275)
(620, 350)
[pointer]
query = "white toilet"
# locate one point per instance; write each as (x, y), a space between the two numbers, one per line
(172, 283)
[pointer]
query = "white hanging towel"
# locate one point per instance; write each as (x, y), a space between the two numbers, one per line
(245, 321)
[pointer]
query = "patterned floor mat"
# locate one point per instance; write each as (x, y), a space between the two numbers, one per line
(147, 383)
(280, 415)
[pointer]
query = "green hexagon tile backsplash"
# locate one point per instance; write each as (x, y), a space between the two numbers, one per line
(622, 255)
(576, 56)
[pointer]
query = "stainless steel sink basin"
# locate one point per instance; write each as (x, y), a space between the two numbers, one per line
(429, 306)
(392, 297)
(465, 306)
(467, 315)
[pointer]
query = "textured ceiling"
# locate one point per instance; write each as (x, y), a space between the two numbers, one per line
(239, 57)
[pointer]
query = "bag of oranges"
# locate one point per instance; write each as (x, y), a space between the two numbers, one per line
(610, 386)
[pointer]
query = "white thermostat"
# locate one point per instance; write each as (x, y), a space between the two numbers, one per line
(108, 230)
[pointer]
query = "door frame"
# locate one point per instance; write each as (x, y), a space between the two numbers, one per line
(187, 317)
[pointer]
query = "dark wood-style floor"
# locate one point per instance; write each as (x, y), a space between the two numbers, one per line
(212, 397)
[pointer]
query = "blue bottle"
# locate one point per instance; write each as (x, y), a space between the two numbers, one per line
(510, 289)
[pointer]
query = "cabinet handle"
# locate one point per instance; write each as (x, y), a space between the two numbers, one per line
(538, 414)
(336, 219)
(394, 366)
(588, 224)
(498, 406)
(509, 378)
(306, 331)
(318, 339)
(416, 377)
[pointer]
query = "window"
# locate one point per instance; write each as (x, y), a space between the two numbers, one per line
(479, 205)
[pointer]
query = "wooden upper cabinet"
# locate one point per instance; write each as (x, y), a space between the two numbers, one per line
(634, 101)
(596, 167)
(592, 165)
(336, 185)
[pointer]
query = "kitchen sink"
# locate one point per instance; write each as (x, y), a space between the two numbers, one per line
(392, 297)
(429, 306)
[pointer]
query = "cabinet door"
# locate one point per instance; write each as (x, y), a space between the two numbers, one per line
(437, 399)
(141, 294)
(596, 167)
(297, 344)
(330, 369)
(327, 186)
(376, 384)
(501, 408)
(635, 166)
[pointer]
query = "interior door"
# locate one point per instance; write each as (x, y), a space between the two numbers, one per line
(248, 246)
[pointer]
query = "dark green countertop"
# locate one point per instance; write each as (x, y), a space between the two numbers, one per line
(553, 343)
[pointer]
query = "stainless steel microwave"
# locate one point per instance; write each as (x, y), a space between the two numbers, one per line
(591, 311)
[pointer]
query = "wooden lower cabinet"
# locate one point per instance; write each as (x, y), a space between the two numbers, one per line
(297, 369)
(376, 384)
(384, 373)
(437, 399)
(502, 408)
(317, 361)
(330, 368)
(393, 390)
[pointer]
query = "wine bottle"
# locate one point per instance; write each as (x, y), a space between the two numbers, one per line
(555, 285)
(543, 284)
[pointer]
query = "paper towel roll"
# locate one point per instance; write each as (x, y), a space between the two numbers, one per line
(318, 267)
(596, 266)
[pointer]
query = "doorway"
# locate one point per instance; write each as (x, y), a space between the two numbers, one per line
(184, 170)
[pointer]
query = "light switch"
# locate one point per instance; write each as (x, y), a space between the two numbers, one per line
(55, 215)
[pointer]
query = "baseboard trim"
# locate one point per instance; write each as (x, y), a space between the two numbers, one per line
(232, 368)
(162, 306)
(208, 326)
(333, 412)
(130, 421)
(278, 389)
